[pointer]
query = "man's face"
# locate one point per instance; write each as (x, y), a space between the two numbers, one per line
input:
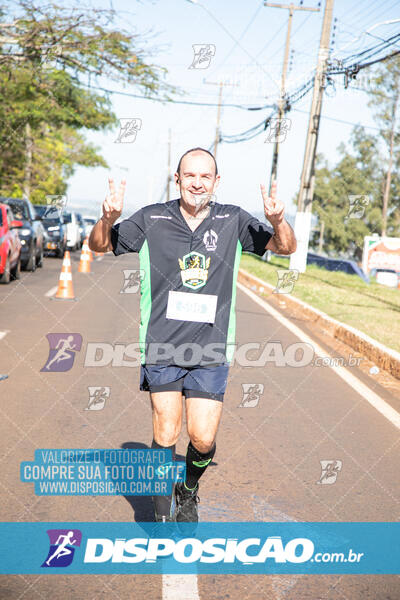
(197, 177)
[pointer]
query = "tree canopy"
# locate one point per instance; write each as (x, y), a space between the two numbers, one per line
(368, 169)
(50, 56)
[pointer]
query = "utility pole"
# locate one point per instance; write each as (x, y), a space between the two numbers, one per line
(169, 164)
(321, 237)
(298, 260)
(217, 129)
(281, 104)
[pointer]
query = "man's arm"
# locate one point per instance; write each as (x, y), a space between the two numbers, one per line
(100, 236)
(283, 241)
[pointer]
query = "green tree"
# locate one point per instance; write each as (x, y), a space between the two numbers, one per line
(50, 56)
(384, 92)
(358, 173)
(57, 152)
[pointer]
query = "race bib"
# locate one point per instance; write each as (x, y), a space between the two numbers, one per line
(184, 306)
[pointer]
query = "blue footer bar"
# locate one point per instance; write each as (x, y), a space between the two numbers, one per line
(227, 548)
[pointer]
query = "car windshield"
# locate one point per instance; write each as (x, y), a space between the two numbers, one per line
(40, 209)
(20, 210)
(67, 217)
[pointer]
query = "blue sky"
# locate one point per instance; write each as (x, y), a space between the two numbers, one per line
(249, 40)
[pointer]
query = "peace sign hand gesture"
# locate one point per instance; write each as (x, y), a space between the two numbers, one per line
(273, 208)
(112, 205)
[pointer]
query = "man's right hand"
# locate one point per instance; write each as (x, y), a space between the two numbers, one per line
(112, 205)
(100, 236)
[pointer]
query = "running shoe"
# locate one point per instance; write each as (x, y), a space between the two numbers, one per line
(186, 504)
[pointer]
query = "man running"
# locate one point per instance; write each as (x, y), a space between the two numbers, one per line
(190, 257)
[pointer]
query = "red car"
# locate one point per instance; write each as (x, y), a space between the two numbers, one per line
(10, 245)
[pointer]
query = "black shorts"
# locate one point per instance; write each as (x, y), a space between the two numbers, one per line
(193, 382)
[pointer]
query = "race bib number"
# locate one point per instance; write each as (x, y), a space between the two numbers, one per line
(184, 306)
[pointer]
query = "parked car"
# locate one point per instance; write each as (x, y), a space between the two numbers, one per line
(10, 245)
(81, 225)
(40, 209)
(89, 224)
(55, 230)
(31, 233)
(73, 234)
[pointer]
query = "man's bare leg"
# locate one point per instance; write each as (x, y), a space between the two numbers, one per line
(203, 416)
(167, 417)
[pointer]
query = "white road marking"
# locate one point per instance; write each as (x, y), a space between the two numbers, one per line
(99, 258)
(3, 333)
(376, 401)
(51, 291)
(179, 587)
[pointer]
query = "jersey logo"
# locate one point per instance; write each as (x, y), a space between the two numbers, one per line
(194, 270)
(210, 240)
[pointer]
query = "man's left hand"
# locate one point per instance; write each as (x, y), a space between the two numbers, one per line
(273, 208)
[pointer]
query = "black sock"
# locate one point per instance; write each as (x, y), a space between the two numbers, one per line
(162, 504)
(196, 464)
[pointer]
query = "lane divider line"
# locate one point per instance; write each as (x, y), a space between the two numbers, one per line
(180, 587)
(363, 390)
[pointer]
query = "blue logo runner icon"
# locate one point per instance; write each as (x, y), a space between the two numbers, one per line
(62, 351)
(62, 547)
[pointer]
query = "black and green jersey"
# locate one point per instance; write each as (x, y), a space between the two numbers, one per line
(188, 290)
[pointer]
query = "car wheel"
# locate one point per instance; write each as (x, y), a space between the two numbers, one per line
(16, 271)
(39, 260)
(31, 265)
(6, 276)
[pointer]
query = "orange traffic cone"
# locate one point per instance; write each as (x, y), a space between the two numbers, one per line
(84, 263)
(88, 250)
(65, 288)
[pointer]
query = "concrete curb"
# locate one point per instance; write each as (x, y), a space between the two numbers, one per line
(385, 358)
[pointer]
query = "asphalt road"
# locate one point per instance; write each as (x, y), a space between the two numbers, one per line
(267, 463)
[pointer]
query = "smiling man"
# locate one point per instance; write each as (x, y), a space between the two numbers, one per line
(190, 251)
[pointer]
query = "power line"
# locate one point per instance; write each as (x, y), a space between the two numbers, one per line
(340, 120)
(294, 33)
(375, 49)
(237, 42)
(368, 16)
(155, 99)
(352, 70)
